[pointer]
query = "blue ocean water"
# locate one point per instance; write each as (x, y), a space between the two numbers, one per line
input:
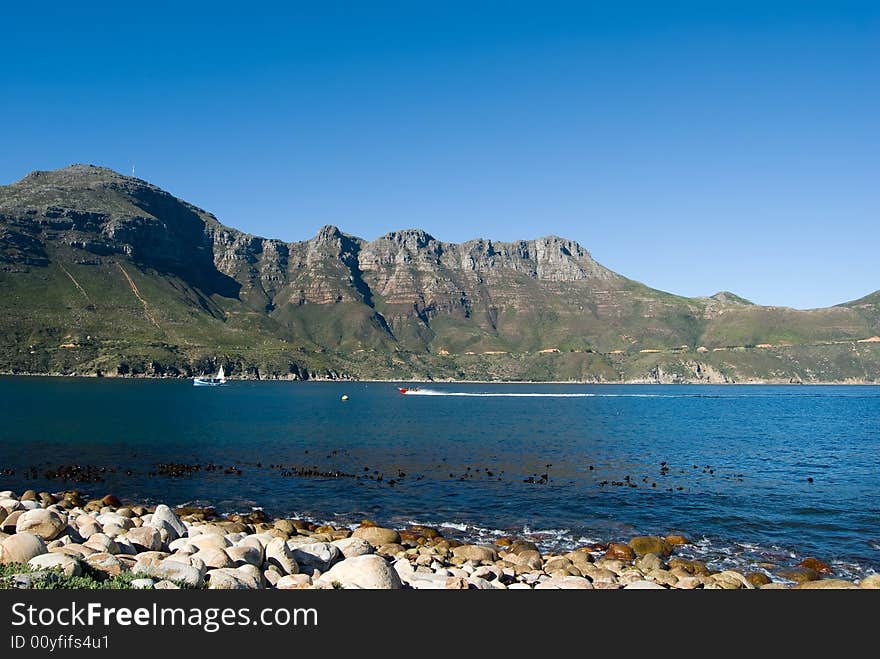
(562, 464)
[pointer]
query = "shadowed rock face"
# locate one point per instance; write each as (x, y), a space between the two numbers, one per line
(87, 252)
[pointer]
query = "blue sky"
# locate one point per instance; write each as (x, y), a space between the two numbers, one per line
(693, 146)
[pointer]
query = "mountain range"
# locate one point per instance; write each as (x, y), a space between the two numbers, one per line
(107, 274)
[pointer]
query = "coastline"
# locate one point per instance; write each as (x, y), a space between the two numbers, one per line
(638, 381)
(64, 535)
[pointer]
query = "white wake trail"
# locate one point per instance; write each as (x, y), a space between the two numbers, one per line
(475, 394)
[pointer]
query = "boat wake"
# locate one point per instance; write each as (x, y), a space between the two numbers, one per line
(477, 394)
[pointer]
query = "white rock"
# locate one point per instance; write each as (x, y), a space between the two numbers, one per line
(281, 556)
(565, 583)
(231, 579)
(142, 583)
(100, 542)
(404, 569)
(180, 543)
(214, 558)
(68, 564)
(351, 547)
(112, 530)
(245, 554)
(316, 555)
(164, 517)
(30, 505)
(112, 518)
(172, 570)
(166, 585)
(480, 583)
(209, 540)
(367, 571)
(91, 528)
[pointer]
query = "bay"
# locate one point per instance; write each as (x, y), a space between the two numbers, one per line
(561, 464)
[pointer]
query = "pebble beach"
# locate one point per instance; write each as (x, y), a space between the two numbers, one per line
(161, 547)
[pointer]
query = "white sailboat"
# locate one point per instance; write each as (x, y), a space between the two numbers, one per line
(216, 381)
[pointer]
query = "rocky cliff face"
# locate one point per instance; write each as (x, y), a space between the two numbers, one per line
(86, 252)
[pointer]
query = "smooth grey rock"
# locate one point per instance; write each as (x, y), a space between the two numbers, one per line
(316, 556)
(351, 547)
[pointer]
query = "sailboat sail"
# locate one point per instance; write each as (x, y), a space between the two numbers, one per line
(220, 378)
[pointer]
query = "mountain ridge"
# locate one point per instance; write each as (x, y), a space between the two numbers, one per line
(88, 252)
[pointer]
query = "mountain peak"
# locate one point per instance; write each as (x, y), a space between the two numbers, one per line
(726, 297)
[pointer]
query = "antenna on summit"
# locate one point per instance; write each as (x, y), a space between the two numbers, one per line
(132, 171)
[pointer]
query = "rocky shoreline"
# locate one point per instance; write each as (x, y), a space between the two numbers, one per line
(163, 548)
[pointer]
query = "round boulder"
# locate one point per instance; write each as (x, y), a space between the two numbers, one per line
(650, 544)
(21, 547)
(619, 551)
(369, 571)
(476, 553)
(42, 522)
(376, 535)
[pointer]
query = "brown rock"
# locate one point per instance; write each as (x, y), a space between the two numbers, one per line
(798, 574)
(110, 500)
(619, 551)
(676, 540)
(650, 544)
(697, 568)
(427, 531)
(557, 563)
(285, 526)
(390, 549)
(757, 579)
(456, 583)
(815, 564)
(519, 546)
(376, 535)
(476, 553)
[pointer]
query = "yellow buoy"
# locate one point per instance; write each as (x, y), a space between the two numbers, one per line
(344, 396)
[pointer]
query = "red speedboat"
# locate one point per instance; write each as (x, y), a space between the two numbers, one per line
(404, 390)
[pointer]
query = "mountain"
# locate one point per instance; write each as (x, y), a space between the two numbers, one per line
(104, 273)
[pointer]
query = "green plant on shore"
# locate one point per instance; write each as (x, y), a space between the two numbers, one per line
(55, 579)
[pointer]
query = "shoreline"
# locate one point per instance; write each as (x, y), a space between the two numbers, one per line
(153, 546)
(762, 382)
